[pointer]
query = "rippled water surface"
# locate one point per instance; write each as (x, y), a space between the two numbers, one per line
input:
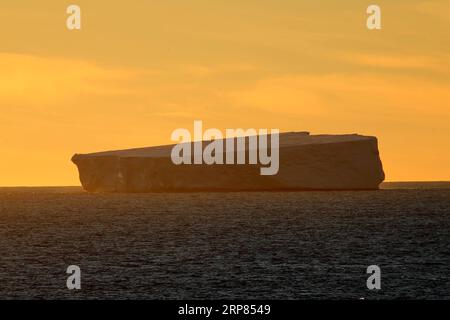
(293, 245)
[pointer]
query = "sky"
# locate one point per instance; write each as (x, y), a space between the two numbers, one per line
(137, 70)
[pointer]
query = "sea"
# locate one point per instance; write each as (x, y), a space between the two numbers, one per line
(246, 245)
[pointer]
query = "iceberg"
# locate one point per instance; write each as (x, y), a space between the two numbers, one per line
(306, 162)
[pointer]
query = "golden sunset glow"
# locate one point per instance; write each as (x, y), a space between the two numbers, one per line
(137, 70)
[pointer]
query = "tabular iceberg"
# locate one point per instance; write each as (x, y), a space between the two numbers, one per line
(306, 162)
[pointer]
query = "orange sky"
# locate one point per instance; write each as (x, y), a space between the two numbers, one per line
(140, 69)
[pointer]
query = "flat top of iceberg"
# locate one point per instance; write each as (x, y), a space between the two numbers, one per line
(287, 139)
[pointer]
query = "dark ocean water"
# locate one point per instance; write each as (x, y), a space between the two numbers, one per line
(293, 245)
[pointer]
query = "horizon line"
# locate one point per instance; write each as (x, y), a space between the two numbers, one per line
(80, 186)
